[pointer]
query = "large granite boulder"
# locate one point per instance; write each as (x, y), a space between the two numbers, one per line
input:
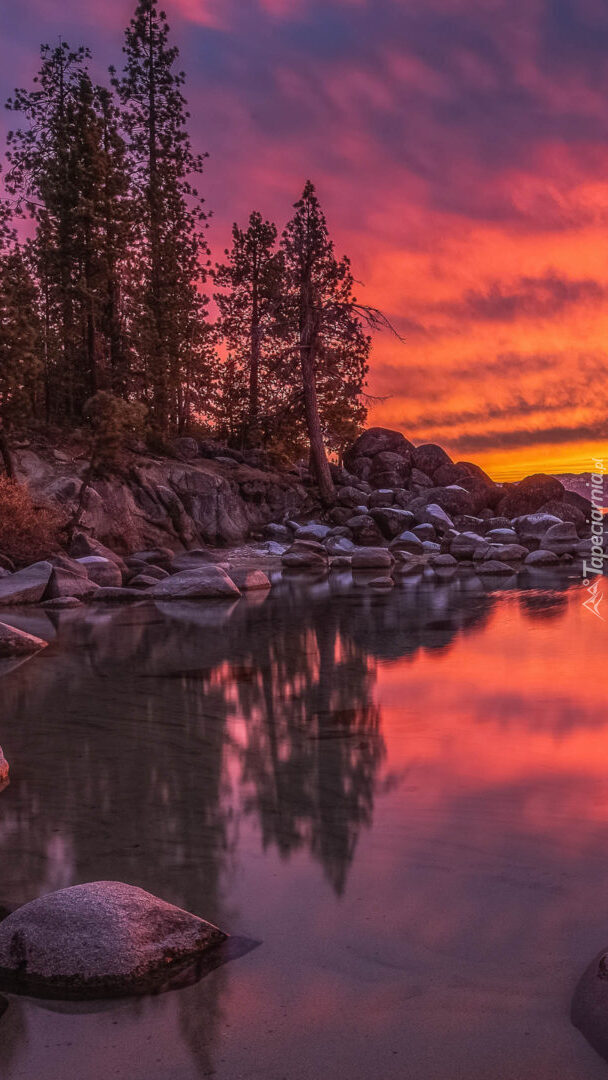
(371, 558)
(377, 441)
(83, 547)
(365, 530)
(102, 939)
(391, 520)
(26, 586)
(527, 496)
(248, 579)
(204, 582)
(562, 538)
(15, 642)
(102, 571)
(465, 545)
(66, 583)
(429, 457)
(306, 555)
(532, 527)
(389, 470)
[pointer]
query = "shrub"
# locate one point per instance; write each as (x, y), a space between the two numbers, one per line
(28, 532)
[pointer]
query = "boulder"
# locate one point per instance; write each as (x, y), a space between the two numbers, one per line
(449, 473)
(186, 448)
(364, 558)
(279, 533)
(352, 496)
(64, 562)
(464, 545)
(527, 496)
(248, 580)
(567, 511)
(502, 536)
(203, 582)
(454, 499)
(306, 555)
(429, 457)
(338, 545)
(26, 586)
(141, 582)
(508, 553)
(102, 571)
(419, 480)
(541, 558)
(437, 517)
(377, 441)
(408, 542)
(429, 547)
(157, 556)
(102, 939)
(15, 642)
(425, 531)
(391, 520)
(382, 497)
(312, 531)
(82, 546)
(532, 527)
(562, 538)
(389, 470)
(444, 561)
(365, 530)
(64, 583)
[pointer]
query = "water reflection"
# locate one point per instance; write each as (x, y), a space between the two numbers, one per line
(176, 747)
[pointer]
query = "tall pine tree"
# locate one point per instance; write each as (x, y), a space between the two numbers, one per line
(325, 332)
(174, 346)
(249, 307)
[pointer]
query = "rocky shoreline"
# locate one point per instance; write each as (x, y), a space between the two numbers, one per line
(399, 510)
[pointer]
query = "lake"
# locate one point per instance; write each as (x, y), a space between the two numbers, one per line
(400, 799)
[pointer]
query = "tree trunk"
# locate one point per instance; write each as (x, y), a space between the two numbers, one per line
(254, 366)
(5, 454)
(311, 405)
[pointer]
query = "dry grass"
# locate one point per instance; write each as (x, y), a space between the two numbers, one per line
(27, 532)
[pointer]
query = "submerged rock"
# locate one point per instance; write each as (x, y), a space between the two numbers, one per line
(15, 642)
(102, 939)
(247, 579)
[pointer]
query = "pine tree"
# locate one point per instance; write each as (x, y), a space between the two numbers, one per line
(249, 312)
(326, 332)
(19, 337)
(170, 246)
(68, 169)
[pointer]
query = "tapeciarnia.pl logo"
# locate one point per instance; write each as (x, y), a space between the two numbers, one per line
(594, 569)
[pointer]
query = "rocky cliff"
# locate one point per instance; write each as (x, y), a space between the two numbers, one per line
(163, 501)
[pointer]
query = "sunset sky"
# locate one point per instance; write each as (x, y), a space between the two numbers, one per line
(460, 149)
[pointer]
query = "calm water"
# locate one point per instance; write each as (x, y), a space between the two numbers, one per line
(403, 798)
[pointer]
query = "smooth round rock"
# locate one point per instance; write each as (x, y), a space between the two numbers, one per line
(102, 939)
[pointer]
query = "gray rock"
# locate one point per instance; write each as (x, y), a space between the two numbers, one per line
(64, 583)
(408, 542)
(464, 545)
(352, 496)
(26, 586)
(438, 517)
(391, 520)
(369, 557)
(541, 558)
(272, 547)
(208, 582)
(429, 458)
(102, 571)
(312, 531)
(502, 536)
(425, 531)
(430, 547)
(365, 530)
(443, 561)
(382, 497)
(142, 582)
(64, 562)
(15, 642)
(561, 538)
(279, 533)
(82, 546)
(338, 545)
(527, 496)
(534, 526)
(101, 939)
(376, 441)
(248, 580)
(509, 553)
